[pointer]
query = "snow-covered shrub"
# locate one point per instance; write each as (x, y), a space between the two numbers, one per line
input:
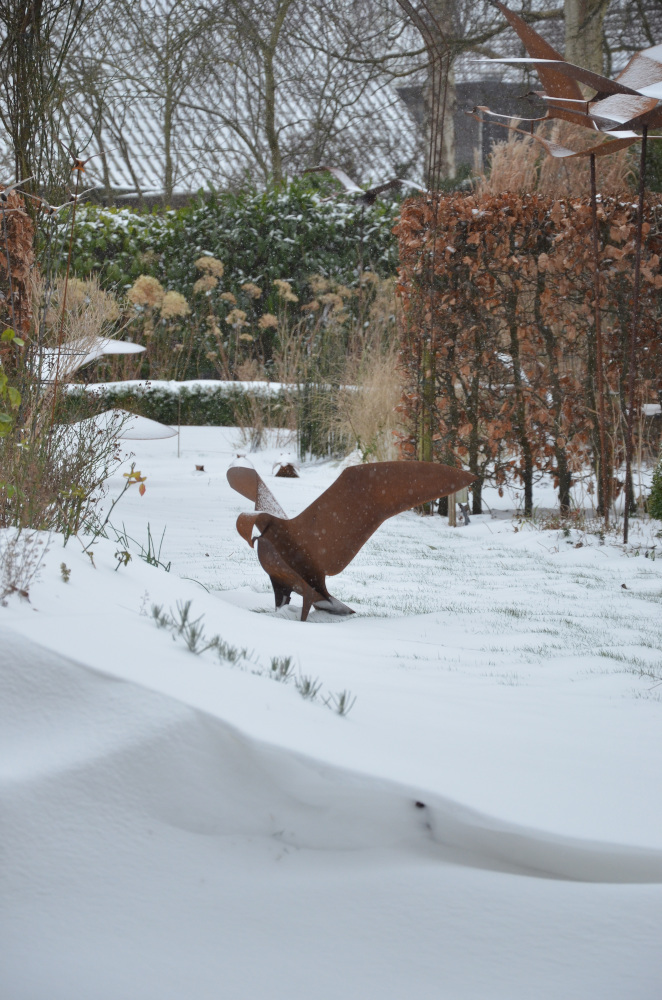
(211, 404)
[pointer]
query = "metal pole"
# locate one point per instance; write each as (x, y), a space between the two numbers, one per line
(452, 512)
(633, 335)
(598, 348)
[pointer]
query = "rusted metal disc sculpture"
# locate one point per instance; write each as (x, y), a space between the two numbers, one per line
(299, 553)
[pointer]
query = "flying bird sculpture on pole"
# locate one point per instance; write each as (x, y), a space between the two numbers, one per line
(299, 553)
(618, 106)
(365, 196)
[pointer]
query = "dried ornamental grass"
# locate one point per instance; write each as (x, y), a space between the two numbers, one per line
(520, 165)
(89, 311)
(513, 166)
(367, 410)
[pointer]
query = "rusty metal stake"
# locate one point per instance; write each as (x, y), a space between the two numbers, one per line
(633, 334)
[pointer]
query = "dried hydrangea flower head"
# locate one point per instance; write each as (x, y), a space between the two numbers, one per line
(228, 297)
(369, 278)
(252, 290)
(236, 317)
(268, 321)
(333, 300)
(319, 284)
(209, 265)
(146, 292)
(284, 290)
(174, 306)
(205, 284)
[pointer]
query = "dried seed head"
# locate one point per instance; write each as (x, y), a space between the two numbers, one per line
(174, 305)
(146, 292)
(268, 321)
(205, 284)
(209, 265)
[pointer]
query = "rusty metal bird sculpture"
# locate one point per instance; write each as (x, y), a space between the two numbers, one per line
(628, 102)
(365, 196)
(299, 553)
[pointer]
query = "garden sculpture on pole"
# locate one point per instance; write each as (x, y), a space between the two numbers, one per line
(299, 553)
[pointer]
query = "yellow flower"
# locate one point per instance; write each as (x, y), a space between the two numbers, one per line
(209, 265)
(267, 321)
(174, 305)
(253, 291)
(237, 317)
(147, 292)
(245, 336)
(205, 284)
(228, 297)
(310, 307)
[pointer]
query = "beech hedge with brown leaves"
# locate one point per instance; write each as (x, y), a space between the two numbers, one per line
(499, 345)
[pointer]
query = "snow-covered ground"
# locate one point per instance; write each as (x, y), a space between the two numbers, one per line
(484, 824)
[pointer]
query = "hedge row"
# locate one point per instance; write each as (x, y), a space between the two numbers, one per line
(287, 233)
(225, 406)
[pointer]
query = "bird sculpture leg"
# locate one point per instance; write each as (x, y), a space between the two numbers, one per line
(282, 593)
(308, 598)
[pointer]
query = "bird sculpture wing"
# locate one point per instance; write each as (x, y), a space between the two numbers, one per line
(246, 481)
(555, 83)
(336, 525)
(340, 175)
(373, 192)
(617, 101)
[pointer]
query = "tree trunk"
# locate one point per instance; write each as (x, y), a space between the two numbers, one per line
(270, 117)
(168, 171)
(440, 126)
(583, 32)
(474, 438)
(439, 93)
(563, 473)
(520, 406)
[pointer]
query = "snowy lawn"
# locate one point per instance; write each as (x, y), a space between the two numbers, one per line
(485, 824)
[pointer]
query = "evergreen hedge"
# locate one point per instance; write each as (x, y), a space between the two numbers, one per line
(288, 233)
(223, 406)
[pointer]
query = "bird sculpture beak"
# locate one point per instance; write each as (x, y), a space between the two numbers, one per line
(245, 525)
